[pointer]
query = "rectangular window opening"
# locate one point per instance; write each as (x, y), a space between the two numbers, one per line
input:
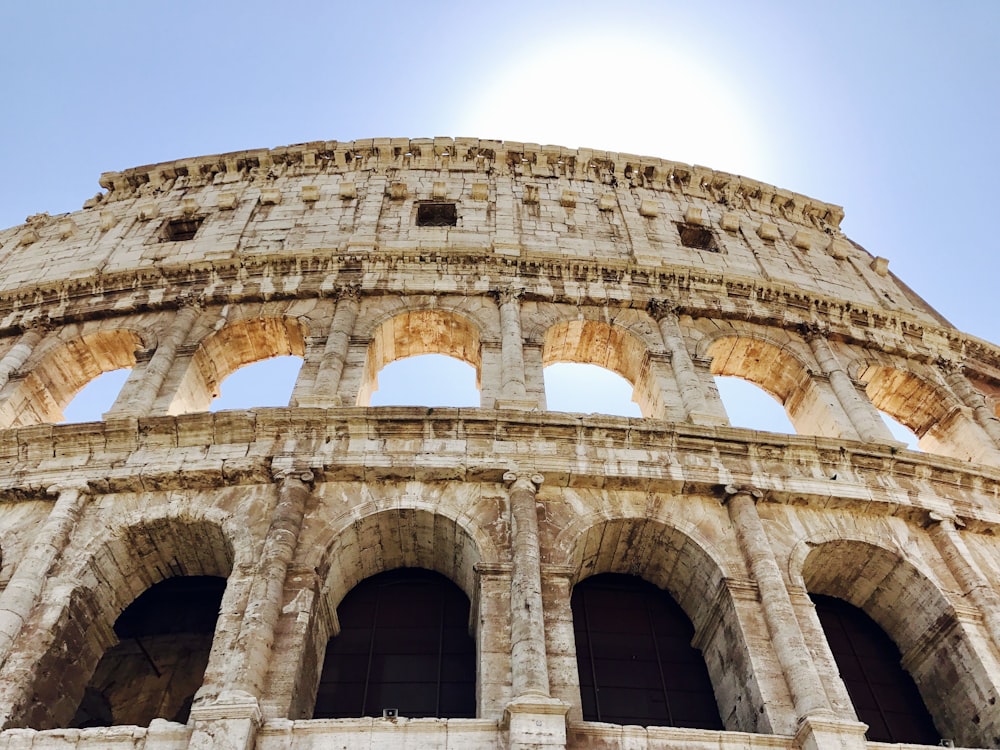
(437, 215)
(696, 237)
(180, 230)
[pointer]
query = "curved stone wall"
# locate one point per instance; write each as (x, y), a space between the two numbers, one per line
(509, 257)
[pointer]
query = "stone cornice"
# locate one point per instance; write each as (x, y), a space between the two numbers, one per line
(643, 455)
(528, 160)
(699, 294)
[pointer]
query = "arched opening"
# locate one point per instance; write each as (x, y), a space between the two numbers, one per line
(426, 380)
(51, 384)
(780, 374)
(586, 388)
(421, 332)
(751, 407)
(600, 346)
(97, 397)
(231, 348)
(635, 658)
(940, 424)
(164, 639)
(883, 693)
(267, 382)
(937, 651)
(680, 566)
(403, 645)
(82, 626)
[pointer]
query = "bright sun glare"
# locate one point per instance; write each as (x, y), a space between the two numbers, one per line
(626, 94)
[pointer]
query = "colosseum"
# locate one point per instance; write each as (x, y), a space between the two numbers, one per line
(174, 577)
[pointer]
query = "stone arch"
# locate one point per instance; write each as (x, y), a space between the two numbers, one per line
(62, 370)
(410, 536)
(607, 345)
(914, 612)
(778, 370)
(84, 601)
(682, 564)
(416, 332)
(929, 409)
(236, 344)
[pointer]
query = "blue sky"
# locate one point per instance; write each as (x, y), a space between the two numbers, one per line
(888, 108)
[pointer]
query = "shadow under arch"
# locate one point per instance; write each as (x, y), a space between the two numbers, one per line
(78, 617)
(936, 647)
(680, 563)
(236, 344)
(594, 342)
(778, 372)
(927, 409)
(416, 332)
(63, 371)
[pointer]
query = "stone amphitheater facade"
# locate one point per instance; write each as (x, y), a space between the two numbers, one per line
(510, 257)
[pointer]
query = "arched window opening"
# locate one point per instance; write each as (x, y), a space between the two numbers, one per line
(267, 382)
(426, 380)
(635, 658)
(751, 407)
(96, 397)
(883, 693)
(588, 389)
(901, 432)
(164, 639)
(404, 644)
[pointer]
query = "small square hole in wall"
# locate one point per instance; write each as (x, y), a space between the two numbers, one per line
(437, 215)
(699, 238)
(180, 230)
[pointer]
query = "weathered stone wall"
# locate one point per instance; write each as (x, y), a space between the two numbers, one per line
(663, 273)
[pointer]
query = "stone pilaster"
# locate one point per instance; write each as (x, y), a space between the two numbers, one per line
(512, 387)
(14, 359)
(971, 398)
(688, 381)
(533, 719)
(143, 386)
(25, 587)
(331, 367)
(804, 684)
(856, 404)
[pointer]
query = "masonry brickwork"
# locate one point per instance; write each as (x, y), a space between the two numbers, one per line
(664, 273)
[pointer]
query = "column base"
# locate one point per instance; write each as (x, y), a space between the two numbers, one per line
(230, 722)
(515, 404)
(829, 733)
(534, 722)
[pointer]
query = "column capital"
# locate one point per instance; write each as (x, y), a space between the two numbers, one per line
(729, 491)
(814, 330)
(39, 325)
(523, 481)
(283, 474)
(662, 308)
(944, 521)
(81, 486)
(511, 293)
(347, 291)
(190, 301)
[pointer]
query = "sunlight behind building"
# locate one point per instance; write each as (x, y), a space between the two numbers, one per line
(621, 92)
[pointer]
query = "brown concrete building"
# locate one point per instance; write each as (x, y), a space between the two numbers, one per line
(333, 575)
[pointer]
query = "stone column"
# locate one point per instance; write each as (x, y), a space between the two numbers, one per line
(858, 407)
(141, 389)
(231, 721)
(14, 359)
(533, 718)
(25, 586)
(960, 562)
(970, 397)
(688, 382)
(804, 684)
(512, 388)
(331, 366)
